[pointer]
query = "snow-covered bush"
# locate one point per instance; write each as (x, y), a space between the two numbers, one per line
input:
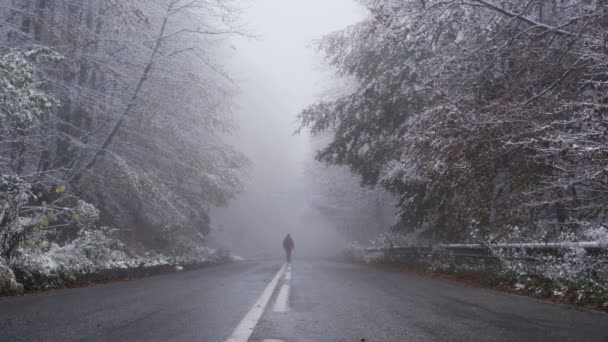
(597, 234)
(357, 253)
(14, 194)
(95, 251)
(41, 263)
(393, 239)
(187, 246)
(8, 283)
(570, 262)
(440, 259)
(48, 264)
(86, 214)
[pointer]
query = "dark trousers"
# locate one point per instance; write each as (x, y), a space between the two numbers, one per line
(288, 254)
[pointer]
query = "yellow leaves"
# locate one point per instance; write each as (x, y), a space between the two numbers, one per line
(75, 217)
(51, 217)
(40, 194)
(47, 220)
(60, 189)
(44, 204)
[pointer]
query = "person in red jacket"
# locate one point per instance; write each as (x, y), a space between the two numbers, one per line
(289, 246)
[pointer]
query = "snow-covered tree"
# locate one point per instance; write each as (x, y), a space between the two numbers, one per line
(30, 198)
(475, 113)
(142, 105)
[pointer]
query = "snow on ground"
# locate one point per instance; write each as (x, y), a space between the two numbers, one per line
(234, 257)
(47, 265)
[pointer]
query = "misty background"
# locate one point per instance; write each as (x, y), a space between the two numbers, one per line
(142, 134)
(279, 74)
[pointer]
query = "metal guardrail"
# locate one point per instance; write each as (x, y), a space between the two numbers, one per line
(587, 245)
(473, 255)
(486, 251)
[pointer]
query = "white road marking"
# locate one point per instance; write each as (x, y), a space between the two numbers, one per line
(281, 303)
(243, 331)
(288, 273)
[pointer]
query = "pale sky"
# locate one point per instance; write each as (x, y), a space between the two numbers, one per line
(280, 73)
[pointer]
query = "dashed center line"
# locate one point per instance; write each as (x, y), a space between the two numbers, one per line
(244, 330)
(281, 303)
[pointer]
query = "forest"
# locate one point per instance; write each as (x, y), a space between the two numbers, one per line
(304, 170)
(449, 121)
(112, 115)
(480, 117)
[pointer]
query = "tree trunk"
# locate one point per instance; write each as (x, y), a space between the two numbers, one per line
(133, 101)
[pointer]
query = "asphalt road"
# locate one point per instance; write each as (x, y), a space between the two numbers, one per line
(312, 301)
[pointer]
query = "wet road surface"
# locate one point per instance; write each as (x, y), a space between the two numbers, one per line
(308, 301)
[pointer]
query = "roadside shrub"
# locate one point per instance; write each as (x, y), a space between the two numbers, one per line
(96, 251)
(569, 263)
(8, 283)
(354, 252)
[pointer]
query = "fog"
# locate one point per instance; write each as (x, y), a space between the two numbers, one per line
(279, 74)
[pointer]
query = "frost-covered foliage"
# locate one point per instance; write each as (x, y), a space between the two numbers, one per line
(358, 253)
(25, 109)
(41, 264)
(130, 118)
(32, 201)
(91, 251)
(29, 201)
(573, 271)
(566, 259)
(122, 104)
(396, 239)
(8, 283)
(571, 262)
(22, 104)
(168, 152)
(13, 197)
(480, 111)
(187, 247)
